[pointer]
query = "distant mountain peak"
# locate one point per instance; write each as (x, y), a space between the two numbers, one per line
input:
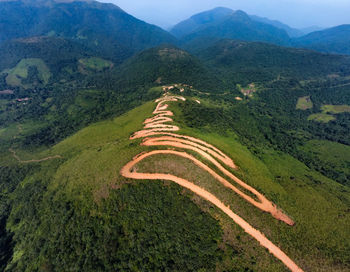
(241, 15)
(222, 9)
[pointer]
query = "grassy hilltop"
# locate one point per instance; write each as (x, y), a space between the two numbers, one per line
(78, 213)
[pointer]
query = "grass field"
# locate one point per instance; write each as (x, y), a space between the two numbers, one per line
(95, 63)
(304, 103)
(335, 109)
(328, 112)
(321, 117)
(20, 72)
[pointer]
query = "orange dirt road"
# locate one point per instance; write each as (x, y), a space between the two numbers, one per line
(155, 126)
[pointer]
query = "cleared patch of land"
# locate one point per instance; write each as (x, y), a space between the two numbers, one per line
(328, 112)
(321, 117)
(304, 103)
(20, 72)
(335, 109)
(95, 63)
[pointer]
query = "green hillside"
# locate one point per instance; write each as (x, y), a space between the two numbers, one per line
(246, 62)
(206, 18)
(27, 69)
(331, 40)
(79, 78)
(160, 66)
(104, 28)
(97, 221)
(39, 61)
(239, 26)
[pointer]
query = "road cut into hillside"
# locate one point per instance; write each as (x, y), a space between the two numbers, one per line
(157, 133)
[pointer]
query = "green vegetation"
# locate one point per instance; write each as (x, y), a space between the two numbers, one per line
(327, 111)
(83, 206)
(331, 40)
(84, 191)
(78, 97)
(335, 109)
(321, 117)
(17, 75)
(99, 27)
(238, 62)
(96, 64)
(329, 157)
(304, 103)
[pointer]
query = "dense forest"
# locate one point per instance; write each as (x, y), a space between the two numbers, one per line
(70, 97)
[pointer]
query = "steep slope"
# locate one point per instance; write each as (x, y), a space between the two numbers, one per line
(245, 62)
(239, 26)
(99, 220)
(103, 27)
(332, 40)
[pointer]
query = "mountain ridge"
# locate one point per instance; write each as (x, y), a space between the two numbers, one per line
(101, 27)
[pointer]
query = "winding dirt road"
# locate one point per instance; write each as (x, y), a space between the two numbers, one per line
(156, 126)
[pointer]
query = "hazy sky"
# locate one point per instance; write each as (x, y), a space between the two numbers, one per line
(296, 13)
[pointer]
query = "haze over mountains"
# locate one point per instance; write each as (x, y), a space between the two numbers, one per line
(79, 78)
(226, 23)
(89, 22)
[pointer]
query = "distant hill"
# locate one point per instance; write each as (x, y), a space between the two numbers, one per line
(310, 29)
(292, 32)
(102, 27)
(205, 18)
(56, 52)
(163, 65)
(245, 62)
(239, 26)
(46, 59)
(199, 20)
(331, 40)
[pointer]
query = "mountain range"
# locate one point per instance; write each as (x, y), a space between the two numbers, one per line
(226, 23)
(104, 28)
(87, 90)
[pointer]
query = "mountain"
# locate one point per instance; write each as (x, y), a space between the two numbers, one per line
(105, 28)
(215, 15)
(199, 20)
(331, 40)
(100, 220)
(310, 29)
(164, 65)
(292, 32)
(238, 26)
(232, 139)
(260, 62)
